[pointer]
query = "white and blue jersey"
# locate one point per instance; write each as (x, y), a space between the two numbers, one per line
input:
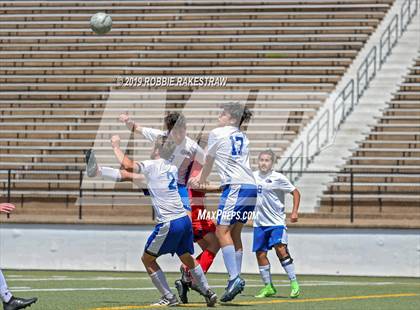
(270, 217)
(183, 158)
(173, 233)
(230, 149)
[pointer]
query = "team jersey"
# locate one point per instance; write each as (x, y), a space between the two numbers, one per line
(161, 178)
(272, 187)
(230, 148)
(184, 153)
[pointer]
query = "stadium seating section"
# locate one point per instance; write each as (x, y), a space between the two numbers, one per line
(59, 94)
(386, 165)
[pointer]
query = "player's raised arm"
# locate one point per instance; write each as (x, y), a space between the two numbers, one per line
(131, 125)
(127, 163)
(296, 201)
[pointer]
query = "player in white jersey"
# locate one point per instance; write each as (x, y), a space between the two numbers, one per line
(228, 149)
(9, 301)
(270, 222)
(173, 233)
(189, 158)
(186, 152)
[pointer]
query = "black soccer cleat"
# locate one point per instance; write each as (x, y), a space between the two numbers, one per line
(211, 298)
(91, 164)
(16, 303)
(182, 289)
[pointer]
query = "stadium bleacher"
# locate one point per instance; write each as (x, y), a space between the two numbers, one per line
(58, 88)
(386, 165)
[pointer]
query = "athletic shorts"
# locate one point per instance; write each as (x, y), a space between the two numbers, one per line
(236, 204)
(175, 236)
(265, 237)
(202, 228)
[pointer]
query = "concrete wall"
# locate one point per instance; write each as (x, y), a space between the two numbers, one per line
(373, 252)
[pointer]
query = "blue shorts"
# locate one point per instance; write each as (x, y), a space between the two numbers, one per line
(185, 198)
(172, 237)
(237, 203)
(265, 237)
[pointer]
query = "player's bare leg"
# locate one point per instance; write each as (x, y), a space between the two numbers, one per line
(159, 280)
(235, 284)
(264, 268)
(288, 266)
(199, 278)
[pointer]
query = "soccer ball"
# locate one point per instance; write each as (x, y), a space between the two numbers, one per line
(101, 23)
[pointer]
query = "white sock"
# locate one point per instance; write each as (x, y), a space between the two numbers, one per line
(289, 267)
(159, 280)
(200, 279)
(110, 174)
(265, 274)
(238, 256)
(5, 294)
(229, 258)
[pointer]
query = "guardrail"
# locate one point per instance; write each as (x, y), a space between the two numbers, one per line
(350, 173)
(350, 95)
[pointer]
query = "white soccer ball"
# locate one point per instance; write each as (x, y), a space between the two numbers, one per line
(101, 23)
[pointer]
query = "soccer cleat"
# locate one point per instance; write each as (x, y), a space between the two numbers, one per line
(295, 289)
(211, 298)
(182, 289)
(168, 302)
(18, 303)
(234, 287)
(267, 291)
(91, 164)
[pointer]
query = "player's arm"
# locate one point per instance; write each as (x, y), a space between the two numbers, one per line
(131, 125)
(6, 207)
(122, 158)
(205, 172)
(208, 188)
(296, 201)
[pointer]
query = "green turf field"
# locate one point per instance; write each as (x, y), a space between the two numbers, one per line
(58, 290)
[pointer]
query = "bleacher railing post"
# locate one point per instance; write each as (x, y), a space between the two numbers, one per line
(80, 194)
(351, 196)
(9, 185)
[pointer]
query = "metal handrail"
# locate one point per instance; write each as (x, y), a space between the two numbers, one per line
(340, 104)
(407, 13)
(319, 126)
(293, 159)
(364, 74)
(388, 40)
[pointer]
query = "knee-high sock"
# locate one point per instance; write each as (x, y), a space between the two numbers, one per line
(199, 278)
(265, 274)
(5, 294)
(238, 256)
(289, 267)
(229, 258)
(159, 280)
(205, 259)
(110, 174)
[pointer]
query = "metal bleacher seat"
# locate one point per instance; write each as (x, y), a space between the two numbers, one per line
(386, 165)
(58, 79)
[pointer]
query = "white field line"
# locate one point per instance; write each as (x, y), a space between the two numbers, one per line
(302, 284)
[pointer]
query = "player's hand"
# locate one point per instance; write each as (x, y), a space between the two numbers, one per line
(115, 141)
(294, 217)
(6, 207)
(124, 118)
(194, 183)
